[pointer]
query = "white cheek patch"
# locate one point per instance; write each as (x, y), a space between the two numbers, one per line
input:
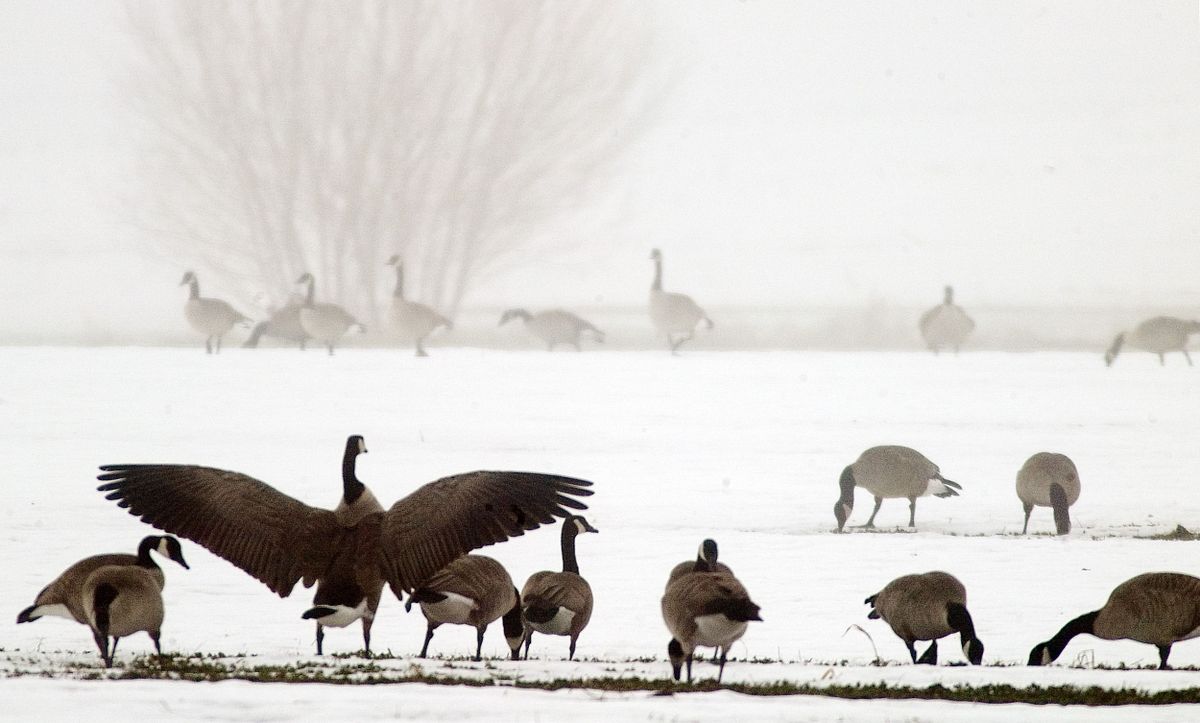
(164, 548)
(579, 527)
(362, 446)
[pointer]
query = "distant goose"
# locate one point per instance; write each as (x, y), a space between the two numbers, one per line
(927, 607)
(673, 313)
(63, 596)
(211, 317)
(283, 324)
(946, 324)
(891, 471)
(351, 551)
(326, 323)
(705, 608)
(1159, 336)
(1159, 608)
(559, 603)
(412, 320)
(1048, 479)
(473, 590)
(120, 600)
(554, 326)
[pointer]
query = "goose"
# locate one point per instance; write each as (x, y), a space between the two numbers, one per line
(326, 323)
(554, 326)
(61, 598)
(927, 607)
(414, 321)
(891, 471)
(352, 550)
(946, 324)
(1159, 608)
(706, 560)
(121, 600)
(1159, 336)
(473, 590)
(211, 317)
(284, 323)
(1049, 479)
(673, 313)
(708, 608)
(559, 603)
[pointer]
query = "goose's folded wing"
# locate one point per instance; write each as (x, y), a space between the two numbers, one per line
(448, 518)
(273, 537)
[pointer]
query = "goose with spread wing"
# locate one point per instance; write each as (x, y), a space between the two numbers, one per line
(349, 552)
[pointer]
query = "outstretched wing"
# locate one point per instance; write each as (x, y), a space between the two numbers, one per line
(449, 517)
(273, 537)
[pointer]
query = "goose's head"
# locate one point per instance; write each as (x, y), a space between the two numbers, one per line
(948, 295)
(577, 524)
(655, 255)
(168, 547)
(394, 261)
(188, 277)
(304, 278)
(355, 445)
(513, 314)
(708, 552)
(1193, 327)
(973, 650)
(675, 653)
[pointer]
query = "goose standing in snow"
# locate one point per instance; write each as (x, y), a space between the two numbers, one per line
(473, 590)
(284, 323)
(121, 600)
(326, 323)
(927, 607)
(946, 324)
(1159, 608)
(412, 320)
(705, 608)
(350, 551)
(559, 603)
(211, 317)
(891, 471)
(673, 313)
(553, 327)
(1049, 479)
(1159, 336)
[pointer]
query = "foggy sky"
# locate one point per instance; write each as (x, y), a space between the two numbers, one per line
(825, 153)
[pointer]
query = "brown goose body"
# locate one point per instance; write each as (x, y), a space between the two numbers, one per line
(473, 590)
(928, 606)
(1158, 335)
(890, 471)
(673, 315)
(324, 322)
(62, 597)
(120, 600)
(349, 552)
(945, 325)
(554, 326)
(211, 317)
(1049, 479)
(559, 603)
(412, 320)
(1157, 608)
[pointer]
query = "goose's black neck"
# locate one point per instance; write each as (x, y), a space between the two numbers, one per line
(398, 292)
(193, 289)
(657, 275)
(143, 554)
(569, 531)
(1085, 623)
(311, 293)
(352, 489)
(847, 485)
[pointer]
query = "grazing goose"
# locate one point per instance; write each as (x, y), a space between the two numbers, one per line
(412, 320)
(927, 607)
(946, 324)
(326, 323)
(349, 551)
(1159, 608)
(61, 598)
(705, 607)
(559, 603)
(673, 313)
(891, 471)
(121, 600)
(1048, 479)
(473, 590)
(554, 326)
(211, 317)
(283, 324)
(1159, 336)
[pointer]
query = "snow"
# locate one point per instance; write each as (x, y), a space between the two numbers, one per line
(742, 447)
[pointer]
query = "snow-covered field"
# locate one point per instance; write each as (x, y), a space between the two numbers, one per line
(742, 447)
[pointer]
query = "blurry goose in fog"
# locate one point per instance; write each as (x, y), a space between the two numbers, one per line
(412, 320)
(1158, 335)
(284, 323)
(891, 471)
(554, 326)
(927, 607)
(473, 590)
(946, 324)
(211, 317)
(326, 323)
(1048, 479)
(351, 550)
(1159, 608)
(673, 313)
(559, 603)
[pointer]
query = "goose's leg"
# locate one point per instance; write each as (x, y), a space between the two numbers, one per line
(102, 646)
(528, 642)
(721, 670)
(571, 650)
(930, 656)
(367, 622)
(320, 638)
(682, 340)
(912, 650)
(1164, 652)
(871, 522)
(420, 347)
(1188, 357)
(303, 344)
(155, 636)
(689, 667)
(208, 345)
(1028, 510)
(330, 345)
(912, 511)
(428, 637)
(479, 642)
(1162, 361)
(218, 343)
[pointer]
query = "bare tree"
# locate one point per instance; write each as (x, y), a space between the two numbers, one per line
(318, 135)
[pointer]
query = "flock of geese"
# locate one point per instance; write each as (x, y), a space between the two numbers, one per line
(422, 547)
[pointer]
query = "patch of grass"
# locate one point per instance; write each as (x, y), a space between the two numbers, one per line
(1180, 533)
